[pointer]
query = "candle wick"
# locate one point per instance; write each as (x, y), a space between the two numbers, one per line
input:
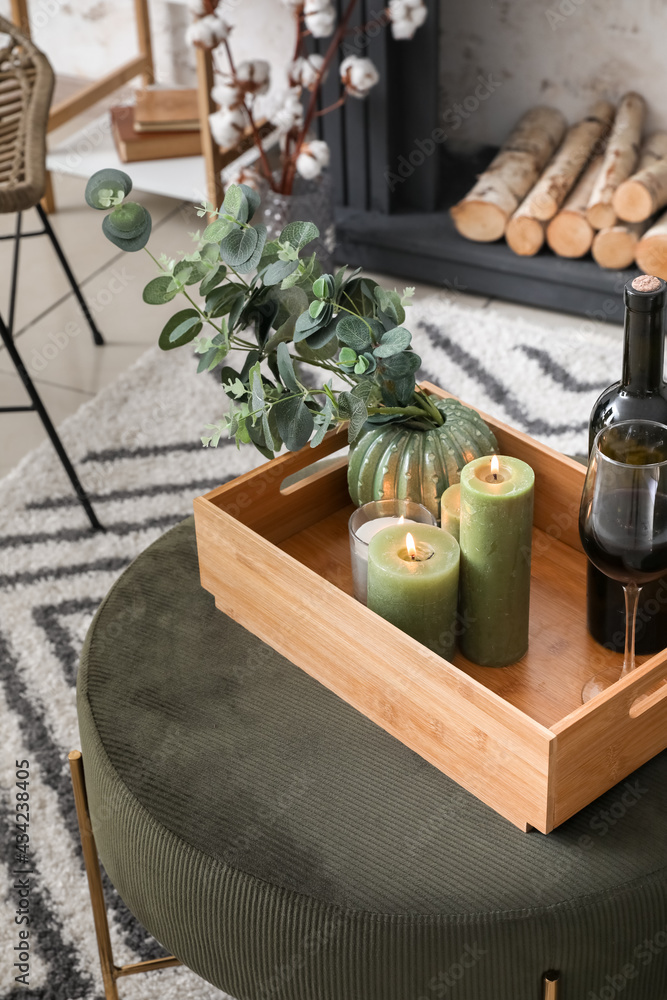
(495, 477)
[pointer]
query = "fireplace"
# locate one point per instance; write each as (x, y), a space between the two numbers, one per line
(446, 101)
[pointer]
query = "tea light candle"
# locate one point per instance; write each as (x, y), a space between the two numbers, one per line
(450, 510)
(495, 537)
(413, 580)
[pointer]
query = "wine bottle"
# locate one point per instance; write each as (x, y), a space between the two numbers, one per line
(640, 394)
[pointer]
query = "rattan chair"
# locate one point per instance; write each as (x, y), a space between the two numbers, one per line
(26, 87)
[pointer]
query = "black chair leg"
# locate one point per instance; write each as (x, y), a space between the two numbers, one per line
(97, 336)
(39, 408)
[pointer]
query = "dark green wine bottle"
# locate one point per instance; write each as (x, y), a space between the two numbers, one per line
(641, 394)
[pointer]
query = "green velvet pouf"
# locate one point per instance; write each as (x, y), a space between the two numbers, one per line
(286, 848)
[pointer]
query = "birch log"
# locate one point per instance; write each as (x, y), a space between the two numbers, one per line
(643, 194)
(620, 159)
(570, 234)
(582, 142)
(651, 255)
(482, 215)
(615, 246)
(524, 234)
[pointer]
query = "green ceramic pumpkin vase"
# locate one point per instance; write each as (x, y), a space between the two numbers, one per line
(396, 460)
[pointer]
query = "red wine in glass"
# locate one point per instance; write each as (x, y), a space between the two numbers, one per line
(623, 520)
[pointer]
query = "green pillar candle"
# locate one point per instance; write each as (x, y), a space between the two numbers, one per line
(418, 593)
(496, 532)
(450, 510)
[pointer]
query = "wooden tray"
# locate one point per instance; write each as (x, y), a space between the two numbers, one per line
(276, 558)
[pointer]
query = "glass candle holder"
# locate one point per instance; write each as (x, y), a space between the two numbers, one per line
(367, 521)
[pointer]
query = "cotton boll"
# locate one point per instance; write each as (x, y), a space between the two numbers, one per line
(208, 32)
(321, 23)
(254, 76)
(358, 76)
(304, 71)
(226, 95)
(406, 16)
(290, 114)
(313, 156)
(227, 126)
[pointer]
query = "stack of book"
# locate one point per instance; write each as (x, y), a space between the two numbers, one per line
(165, 123)
(161, 124)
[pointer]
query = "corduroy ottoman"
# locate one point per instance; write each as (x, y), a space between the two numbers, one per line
(285, 848)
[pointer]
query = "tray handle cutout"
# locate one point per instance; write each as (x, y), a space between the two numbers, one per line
(310, 472)
(644, 702)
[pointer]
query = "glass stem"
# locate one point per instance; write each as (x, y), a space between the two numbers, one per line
(631, 601)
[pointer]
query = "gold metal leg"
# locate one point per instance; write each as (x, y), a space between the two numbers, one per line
(551, 980)
(110, 972)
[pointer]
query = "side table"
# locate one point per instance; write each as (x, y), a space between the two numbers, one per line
(285, 848)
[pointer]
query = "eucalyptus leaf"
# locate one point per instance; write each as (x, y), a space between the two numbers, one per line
(212, 279)
(347, 356)
(280, 269)
(121, 239)
(399, 365)
(253, 200)
(299, 234)
(217, 230)
(239, 246)
(294, 421)
(180, 329)
(234, 202)
(356, 412)
(286, 368)
(393, 342)
(159, 290)
(254, 259)
(236, 309)
(323, 423)
(353, 332)
(107, 188)
(219, 301)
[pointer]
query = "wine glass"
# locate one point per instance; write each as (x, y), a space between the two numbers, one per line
(623, 520)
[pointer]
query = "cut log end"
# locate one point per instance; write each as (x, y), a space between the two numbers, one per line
(651, 256)
(614, 248)
(601, 215)
(481, 221)
(633, 202)
(570, 234)
(524, 235)
(545, 205)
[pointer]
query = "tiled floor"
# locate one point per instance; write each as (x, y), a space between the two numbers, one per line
(52, 334)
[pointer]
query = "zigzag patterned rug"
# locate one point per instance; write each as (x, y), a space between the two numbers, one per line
(137, 448)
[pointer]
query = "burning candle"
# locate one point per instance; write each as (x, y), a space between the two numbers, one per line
(367, 521)
(496, 532)
(450, 510)
(413, 579)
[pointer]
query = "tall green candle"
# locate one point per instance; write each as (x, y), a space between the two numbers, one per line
(496, 532)
(450, 510)
(416, 588)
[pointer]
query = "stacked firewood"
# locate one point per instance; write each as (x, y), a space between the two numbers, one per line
(595, 186)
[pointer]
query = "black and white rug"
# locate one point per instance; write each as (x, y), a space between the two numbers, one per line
(137, 449)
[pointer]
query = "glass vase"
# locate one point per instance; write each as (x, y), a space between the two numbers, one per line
(310, 201)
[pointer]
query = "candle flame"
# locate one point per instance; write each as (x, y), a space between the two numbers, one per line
(401, 519)
(495, 465)
(410, 546)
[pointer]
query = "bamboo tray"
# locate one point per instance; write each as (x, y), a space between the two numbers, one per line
(276, 559)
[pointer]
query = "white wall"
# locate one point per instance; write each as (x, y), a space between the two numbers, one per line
(88, 38)
(561, 52)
